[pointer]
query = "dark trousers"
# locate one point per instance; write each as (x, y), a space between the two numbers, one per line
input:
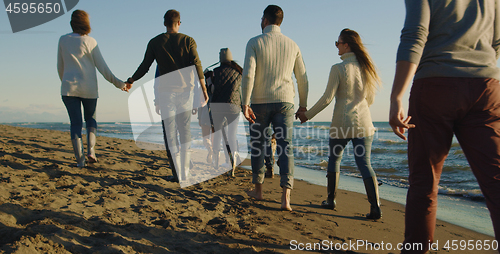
(74, 108)
(441, 107)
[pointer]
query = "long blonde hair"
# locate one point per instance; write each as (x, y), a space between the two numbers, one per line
(368, 71)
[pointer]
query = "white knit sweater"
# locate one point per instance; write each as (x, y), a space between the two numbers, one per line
(351, 116)
(270, 60)
(77, 58)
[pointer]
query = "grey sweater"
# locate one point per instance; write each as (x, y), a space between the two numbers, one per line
(452, 38)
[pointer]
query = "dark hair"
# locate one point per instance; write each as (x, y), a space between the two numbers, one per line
(234, 65)
(80, 22)
(368, 70)
(171, 17)
(274, 14)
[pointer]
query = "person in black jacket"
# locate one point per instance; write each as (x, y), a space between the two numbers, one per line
(226, 107)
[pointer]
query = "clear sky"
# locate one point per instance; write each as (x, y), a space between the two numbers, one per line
(30, 87)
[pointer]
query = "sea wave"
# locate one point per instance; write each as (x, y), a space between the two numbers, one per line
(474, 194)
(456, 168)
(392, 142)
(322, 163)
(146, 124)
(321, 127)
(386, 151)
(115, 132)
(383, 129)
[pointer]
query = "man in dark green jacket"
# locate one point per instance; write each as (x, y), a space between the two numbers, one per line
(179, 68)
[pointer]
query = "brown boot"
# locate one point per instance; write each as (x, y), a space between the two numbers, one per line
(332, 184)
(371, 187)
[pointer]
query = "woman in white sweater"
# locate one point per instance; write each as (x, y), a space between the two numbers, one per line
(78, 56)
(353, 83)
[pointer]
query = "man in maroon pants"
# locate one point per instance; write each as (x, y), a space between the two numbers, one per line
(451, 47)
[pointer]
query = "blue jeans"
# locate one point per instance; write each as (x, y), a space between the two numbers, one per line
(280, 115)
(176, 116)
(74, 108)
(269, 155)
(362, 151)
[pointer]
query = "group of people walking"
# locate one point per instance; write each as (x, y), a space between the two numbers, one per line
(455, 91)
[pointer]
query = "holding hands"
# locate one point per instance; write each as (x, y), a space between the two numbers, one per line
(128, 85)
(301, 114)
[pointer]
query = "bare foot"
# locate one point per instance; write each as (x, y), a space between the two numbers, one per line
(91, 158)
(256, 193)
(285, 200)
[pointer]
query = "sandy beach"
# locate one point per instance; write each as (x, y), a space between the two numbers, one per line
(123, 204)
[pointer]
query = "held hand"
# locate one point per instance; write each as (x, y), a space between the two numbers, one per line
(125, 87)
(301, 109)
(397, 121)
(157, 109)
(248, 113)
(302, 116)
(128, 86)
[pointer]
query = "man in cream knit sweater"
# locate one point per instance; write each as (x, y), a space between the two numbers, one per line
(267, 84)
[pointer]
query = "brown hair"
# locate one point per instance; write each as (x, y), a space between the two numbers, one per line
(80, 22)
(274, 14)
(368, 71)
(171, 17)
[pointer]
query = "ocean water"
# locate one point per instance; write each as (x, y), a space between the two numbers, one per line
(459, 192)
(389, 159)
(389, 152)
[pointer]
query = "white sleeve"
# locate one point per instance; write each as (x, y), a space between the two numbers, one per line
(104, 69)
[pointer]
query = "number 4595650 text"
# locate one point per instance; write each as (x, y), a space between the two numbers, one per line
(24, 8)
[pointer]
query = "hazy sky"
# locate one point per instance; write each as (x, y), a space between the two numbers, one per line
(30, 87)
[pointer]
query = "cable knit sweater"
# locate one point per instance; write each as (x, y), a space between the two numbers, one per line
(351, 116)
(270, 60)
(77, 58)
